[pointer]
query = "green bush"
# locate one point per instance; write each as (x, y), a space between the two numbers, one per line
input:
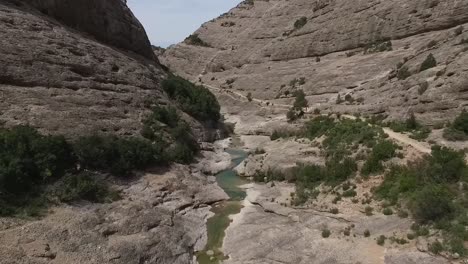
(318, 126)
(283, 133)
(171, 136)
(300, 101)
(28, 159)
(83, 186)
(195, 40)
(195, 100)
(379, 46)
(382, 151)
(30, 163)
(436, 247)
(433, 203)
(366, 233)
(347, 132)
(326, 233)
(458, 130)
(446, 165)
(381, 240)
(299, 104)
(428, 63)
(118, 156)
(301, 22)
(387, 211)
(452, 134)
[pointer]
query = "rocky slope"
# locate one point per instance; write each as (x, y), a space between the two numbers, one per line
(161, 219)
(263, 46)
(83, 67)
(64, 81)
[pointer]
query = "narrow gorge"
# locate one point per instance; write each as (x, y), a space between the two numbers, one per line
(282, 131)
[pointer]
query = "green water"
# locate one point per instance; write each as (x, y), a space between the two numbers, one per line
(217, 224)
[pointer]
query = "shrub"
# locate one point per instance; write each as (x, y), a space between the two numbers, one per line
(461, 123)
(282, 133)
(411, 236)
(301, 22)
(318, 126)
(326, 233)
(195, 40)
(436, 247)
(83, 186)
(195, 100)
(171, 136)
(432, 204)
(387, 211)
(428, 63)
(366, 233)
(28, 159)
(452, 134)
(368, 210)
(334, 211)
(379, 46)
(301, 101)
(458, 30)
(381, 240)
(446, 165)
(349, 98)
(118, 156)
(382, 151)
(292, 115)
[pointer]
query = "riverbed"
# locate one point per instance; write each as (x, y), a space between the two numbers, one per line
(216, 225)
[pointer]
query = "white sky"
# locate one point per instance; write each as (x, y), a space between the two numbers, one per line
(171, 21)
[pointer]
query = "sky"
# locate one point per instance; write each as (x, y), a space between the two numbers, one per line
(171, 21)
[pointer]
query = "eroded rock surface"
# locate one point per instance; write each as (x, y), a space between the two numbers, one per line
(257, 48)
(63, 81)
(161, 219)
(267, 232)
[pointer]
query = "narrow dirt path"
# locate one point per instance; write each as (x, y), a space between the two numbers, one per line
(399, 137)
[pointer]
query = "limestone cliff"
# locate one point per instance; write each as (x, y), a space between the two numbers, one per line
(340, 48)
(74, 81)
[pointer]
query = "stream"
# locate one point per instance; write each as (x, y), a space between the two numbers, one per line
(216, 225)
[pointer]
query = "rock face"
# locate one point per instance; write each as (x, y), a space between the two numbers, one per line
(340, 48)
(160, 220)
(82, 67)
(63, 81)
(109, 21)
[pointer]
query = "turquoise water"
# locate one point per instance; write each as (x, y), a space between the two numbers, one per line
(217, 224)
(229, 180)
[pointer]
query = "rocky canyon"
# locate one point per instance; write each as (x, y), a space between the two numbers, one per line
(283, 131)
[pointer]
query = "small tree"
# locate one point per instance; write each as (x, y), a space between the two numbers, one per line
(298, 108)
(461, 122)
(301, 101)
(411, 122)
